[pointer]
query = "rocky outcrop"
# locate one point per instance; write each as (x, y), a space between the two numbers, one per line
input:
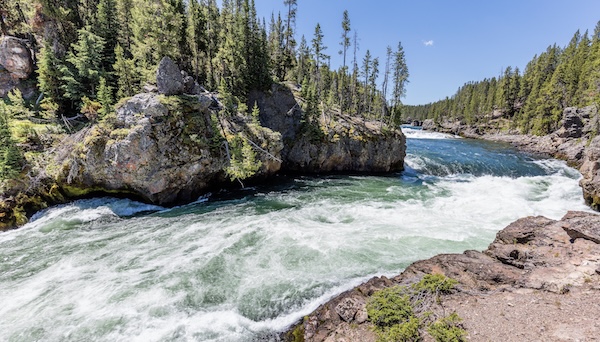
(171, 149)
(161, 149)
(16, 64)
(168, 78)
(590, 169)
(531, 254)
(429, 125)
(332, 143)
(350, 144)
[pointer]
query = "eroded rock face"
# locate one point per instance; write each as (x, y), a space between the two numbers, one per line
(340, 144)
(590, 169)
(367, 151)
(161, 151)
(16, 63)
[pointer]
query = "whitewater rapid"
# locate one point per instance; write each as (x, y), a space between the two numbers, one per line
(244, 265)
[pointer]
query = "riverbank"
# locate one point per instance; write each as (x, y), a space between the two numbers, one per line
(538, 280)
(576, 141)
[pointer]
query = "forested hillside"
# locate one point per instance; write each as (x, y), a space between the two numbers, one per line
(533, 100)
(90, 54)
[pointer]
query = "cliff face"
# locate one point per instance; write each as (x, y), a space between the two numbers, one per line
(333, 143)
(533, 260)
(351, 144)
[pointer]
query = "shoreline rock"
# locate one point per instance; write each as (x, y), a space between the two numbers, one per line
(533, 255)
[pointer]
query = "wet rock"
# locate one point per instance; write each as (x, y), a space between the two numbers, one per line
(429, 125)
(168, 78)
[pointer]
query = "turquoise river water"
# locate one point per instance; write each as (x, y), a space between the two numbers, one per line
(243, 265)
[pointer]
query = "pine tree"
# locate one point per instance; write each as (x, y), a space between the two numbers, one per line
(107, 27)
(125, 29)
(373, 83)
(155, 36)
(105, 98)
(318, 55)
(345, 44)
(276, 47)
(400, 78)
(303, 66)
(87, 12)
(197, 38)
(288, 34)
(354, 85)
(49, 77)
(589, 83)
(366, 73)
(385, 86)
(81, 75)
(213, 27)
(10, 155)
(124, 72)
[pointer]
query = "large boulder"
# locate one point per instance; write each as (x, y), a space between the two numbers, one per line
(161, 150)
(572, 124)
(429, 125)
(16, 63)
(169, 78)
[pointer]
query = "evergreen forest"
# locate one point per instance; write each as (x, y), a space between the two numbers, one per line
(92, 54)
(533, 100)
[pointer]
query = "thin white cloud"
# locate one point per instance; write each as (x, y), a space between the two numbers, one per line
(428, 42)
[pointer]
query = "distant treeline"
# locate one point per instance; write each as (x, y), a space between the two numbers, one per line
(534, 100)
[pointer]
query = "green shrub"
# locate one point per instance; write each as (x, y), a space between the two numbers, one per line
(400, 312)
(435, 283)
(389, 306)
(407, 331)
(448, 329)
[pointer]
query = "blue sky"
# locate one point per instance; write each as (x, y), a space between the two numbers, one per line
(447, 43)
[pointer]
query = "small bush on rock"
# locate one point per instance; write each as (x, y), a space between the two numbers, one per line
(399, 313)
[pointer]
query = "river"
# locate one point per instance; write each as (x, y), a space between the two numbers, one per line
(243, 265)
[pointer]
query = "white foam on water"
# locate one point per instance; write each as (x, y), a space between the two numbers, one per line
(412, 133)
(235, 270)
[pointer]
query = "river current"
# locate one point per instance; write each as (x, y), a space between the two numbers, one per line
(243, 265)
